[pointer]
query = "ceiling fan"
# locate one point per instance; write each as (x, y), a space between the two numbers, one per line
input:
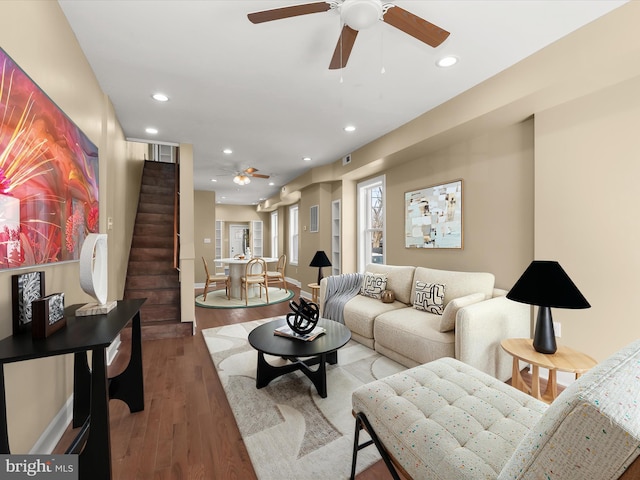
(243, 178)
(357, 15)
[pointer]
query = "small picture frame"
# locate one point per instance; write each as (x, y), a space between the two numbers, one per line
(48, 315)
(25, 288)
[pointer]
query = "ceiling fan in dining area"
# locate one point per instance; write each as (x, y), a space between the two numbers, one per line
(244, 177)
(357, 15)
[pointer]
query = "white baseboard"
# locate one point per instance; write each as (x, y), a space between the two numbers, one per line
(56, 428)
(112, 351)
(54, 431)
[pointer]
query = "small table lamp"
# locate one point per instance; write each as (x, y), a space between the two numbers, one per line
(546, 284)
(320, 260)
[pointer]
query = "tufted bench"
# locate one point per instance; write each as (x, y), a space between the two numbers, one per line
(447, 420)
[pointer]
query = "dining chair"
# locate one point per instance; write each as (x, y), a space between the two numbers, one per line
(254, 274)
(278, 275)
(215, 279)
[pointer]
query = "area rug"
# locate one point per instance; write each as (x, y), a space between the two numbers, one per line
(291, 433)
(218, 299)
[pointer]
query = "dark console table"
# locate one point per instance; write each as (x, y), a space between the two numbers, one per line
(92, 388)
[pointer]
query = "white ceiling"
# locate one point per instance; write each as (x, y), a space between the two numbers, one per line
(265, 90)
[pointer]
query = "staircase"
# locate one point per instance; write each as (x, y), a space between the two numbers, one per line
(152, 272)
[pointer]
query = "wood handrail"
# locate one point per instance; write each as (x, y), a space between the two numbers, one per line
(176, 215)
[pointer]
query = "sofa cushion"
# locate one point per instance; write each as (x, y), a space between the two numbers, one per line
(447, 420)
(360, 312)
(429, 297)
(458, 284)
(448, 319)
(414, 334)
(373, 284)
(399, 279)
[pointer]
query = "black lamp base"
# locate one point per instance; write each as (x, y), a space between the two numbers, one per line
(544, 338)
(320, 276)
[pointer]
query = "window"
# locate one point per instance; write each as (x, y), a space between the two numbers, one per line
(293, 235)
(274, 234)
(371, 222)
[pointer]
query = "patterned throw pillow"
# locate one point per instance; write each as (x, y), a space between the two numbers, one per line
(373, 284)
(429, 297)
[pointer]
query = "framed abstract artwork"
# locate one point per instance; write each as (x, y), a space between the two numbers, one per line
(433, 216)
(48, 176)
(25, 289)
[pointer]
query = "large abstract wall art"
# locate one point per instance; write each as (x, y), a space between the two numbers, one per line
(48, 176)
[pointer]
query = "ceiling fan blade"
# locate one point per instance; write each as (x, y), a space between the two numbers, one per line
(259, 175)
(415, 26)
(287, 12)
(343, 48)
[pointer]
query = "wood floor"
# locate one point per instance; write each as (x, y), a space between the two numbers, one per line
(187, 429)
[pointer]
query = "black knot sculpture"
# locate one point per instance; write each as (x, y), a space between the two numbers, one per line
(304, 316)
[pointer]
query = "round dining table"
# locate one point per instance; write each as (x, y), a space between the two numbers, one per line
(237, 268)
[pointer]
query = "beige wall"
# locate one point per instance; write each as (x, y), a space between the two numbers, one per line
(587, 164)
(36, 35)
(204, 228)
(497, 173)
(318, 194)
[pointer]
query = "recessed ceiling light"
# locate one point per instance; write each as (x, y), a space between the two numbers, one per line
(228, 151)
(151, 130)
(448, 61)
(214, 180)
(271, 184)
(160, 97)
(306, 159)
(349, 128)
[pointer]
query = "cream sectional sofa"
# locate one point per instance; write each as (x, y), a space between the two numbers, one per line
(480, 316)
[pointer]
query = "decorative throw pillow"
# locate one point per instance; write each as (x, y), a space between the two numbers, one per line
(448, 320)
(429, 297)
(373, 284)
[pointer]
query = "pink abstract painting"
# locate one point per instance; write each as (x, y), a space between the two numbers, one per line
(48, 176)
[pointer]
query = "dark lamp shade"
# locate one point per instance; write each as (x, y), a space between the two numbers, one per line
(546, 284)
(320, 259)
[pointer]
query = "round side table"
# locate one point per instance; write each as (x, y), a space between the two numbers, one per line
(565, 360)
(315, 290)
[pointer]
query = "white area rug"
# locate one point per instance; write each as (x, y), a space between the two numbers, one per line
(218, 299)
(291, 432)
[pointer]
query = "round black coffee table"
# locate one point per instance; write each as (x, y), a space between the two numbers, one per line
(322, 350)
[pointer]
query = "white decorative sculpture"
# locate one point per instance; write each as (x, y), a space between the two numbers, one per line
(93, 275)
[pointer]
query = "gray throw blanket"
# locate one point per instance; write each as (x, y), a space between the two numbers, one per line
(340, 289)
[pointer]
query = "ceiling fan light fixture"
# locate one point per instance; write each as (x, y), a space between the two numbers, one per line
(361, 14)
(241, 179)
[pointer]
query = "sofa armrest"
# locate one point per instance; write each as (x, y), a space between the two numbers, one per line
(481, 327)
(321, 295)
(499, 292)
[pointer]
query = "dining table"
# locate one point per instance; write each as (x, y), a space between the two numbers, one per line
(237, 268)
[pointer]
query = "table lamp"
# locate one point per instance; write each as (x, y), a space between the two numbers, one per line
(546, 284)
(320, 260)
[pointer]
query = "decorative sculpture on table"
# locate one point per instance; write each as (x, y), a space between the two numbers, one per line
(93, 275)
(304, 317)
